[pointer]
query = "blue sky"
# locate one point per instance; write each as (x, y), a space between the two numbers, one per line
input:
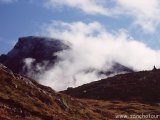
(100, 32)
(27, 17)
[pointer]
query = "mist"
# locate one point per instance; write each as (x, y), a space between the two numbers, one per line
(93, 47)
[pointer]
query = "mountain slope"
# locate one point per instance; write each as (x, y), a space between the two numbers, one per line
(143, 86)
(22, 98)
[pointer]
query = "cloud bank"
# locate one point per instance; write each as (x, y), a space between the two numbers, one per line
(92, 46)
(145, 13)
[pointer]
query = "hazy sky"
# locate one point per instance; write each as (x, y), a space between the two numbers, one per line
(139, 18)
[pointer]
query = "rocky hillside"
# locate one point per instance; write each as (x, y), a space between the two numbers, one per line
(141, 86)
(22, 98)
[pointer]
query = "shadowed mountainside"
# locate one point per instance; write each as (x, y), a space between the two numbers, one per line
(143, 86)
(41, 51)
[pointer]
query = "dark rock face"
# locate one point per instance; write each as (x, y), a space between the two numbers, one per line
(143, 86)
(42, 51)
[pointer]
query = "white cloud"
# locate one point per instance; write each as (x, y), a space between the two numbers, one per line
(7, 1)
(145, 13)
(94, 47)
(87, 6)
(28, 66)
(28, 62)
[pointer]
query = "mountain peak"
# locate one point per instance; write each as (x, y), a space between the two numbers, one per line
(34, 44)
(40, 49)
